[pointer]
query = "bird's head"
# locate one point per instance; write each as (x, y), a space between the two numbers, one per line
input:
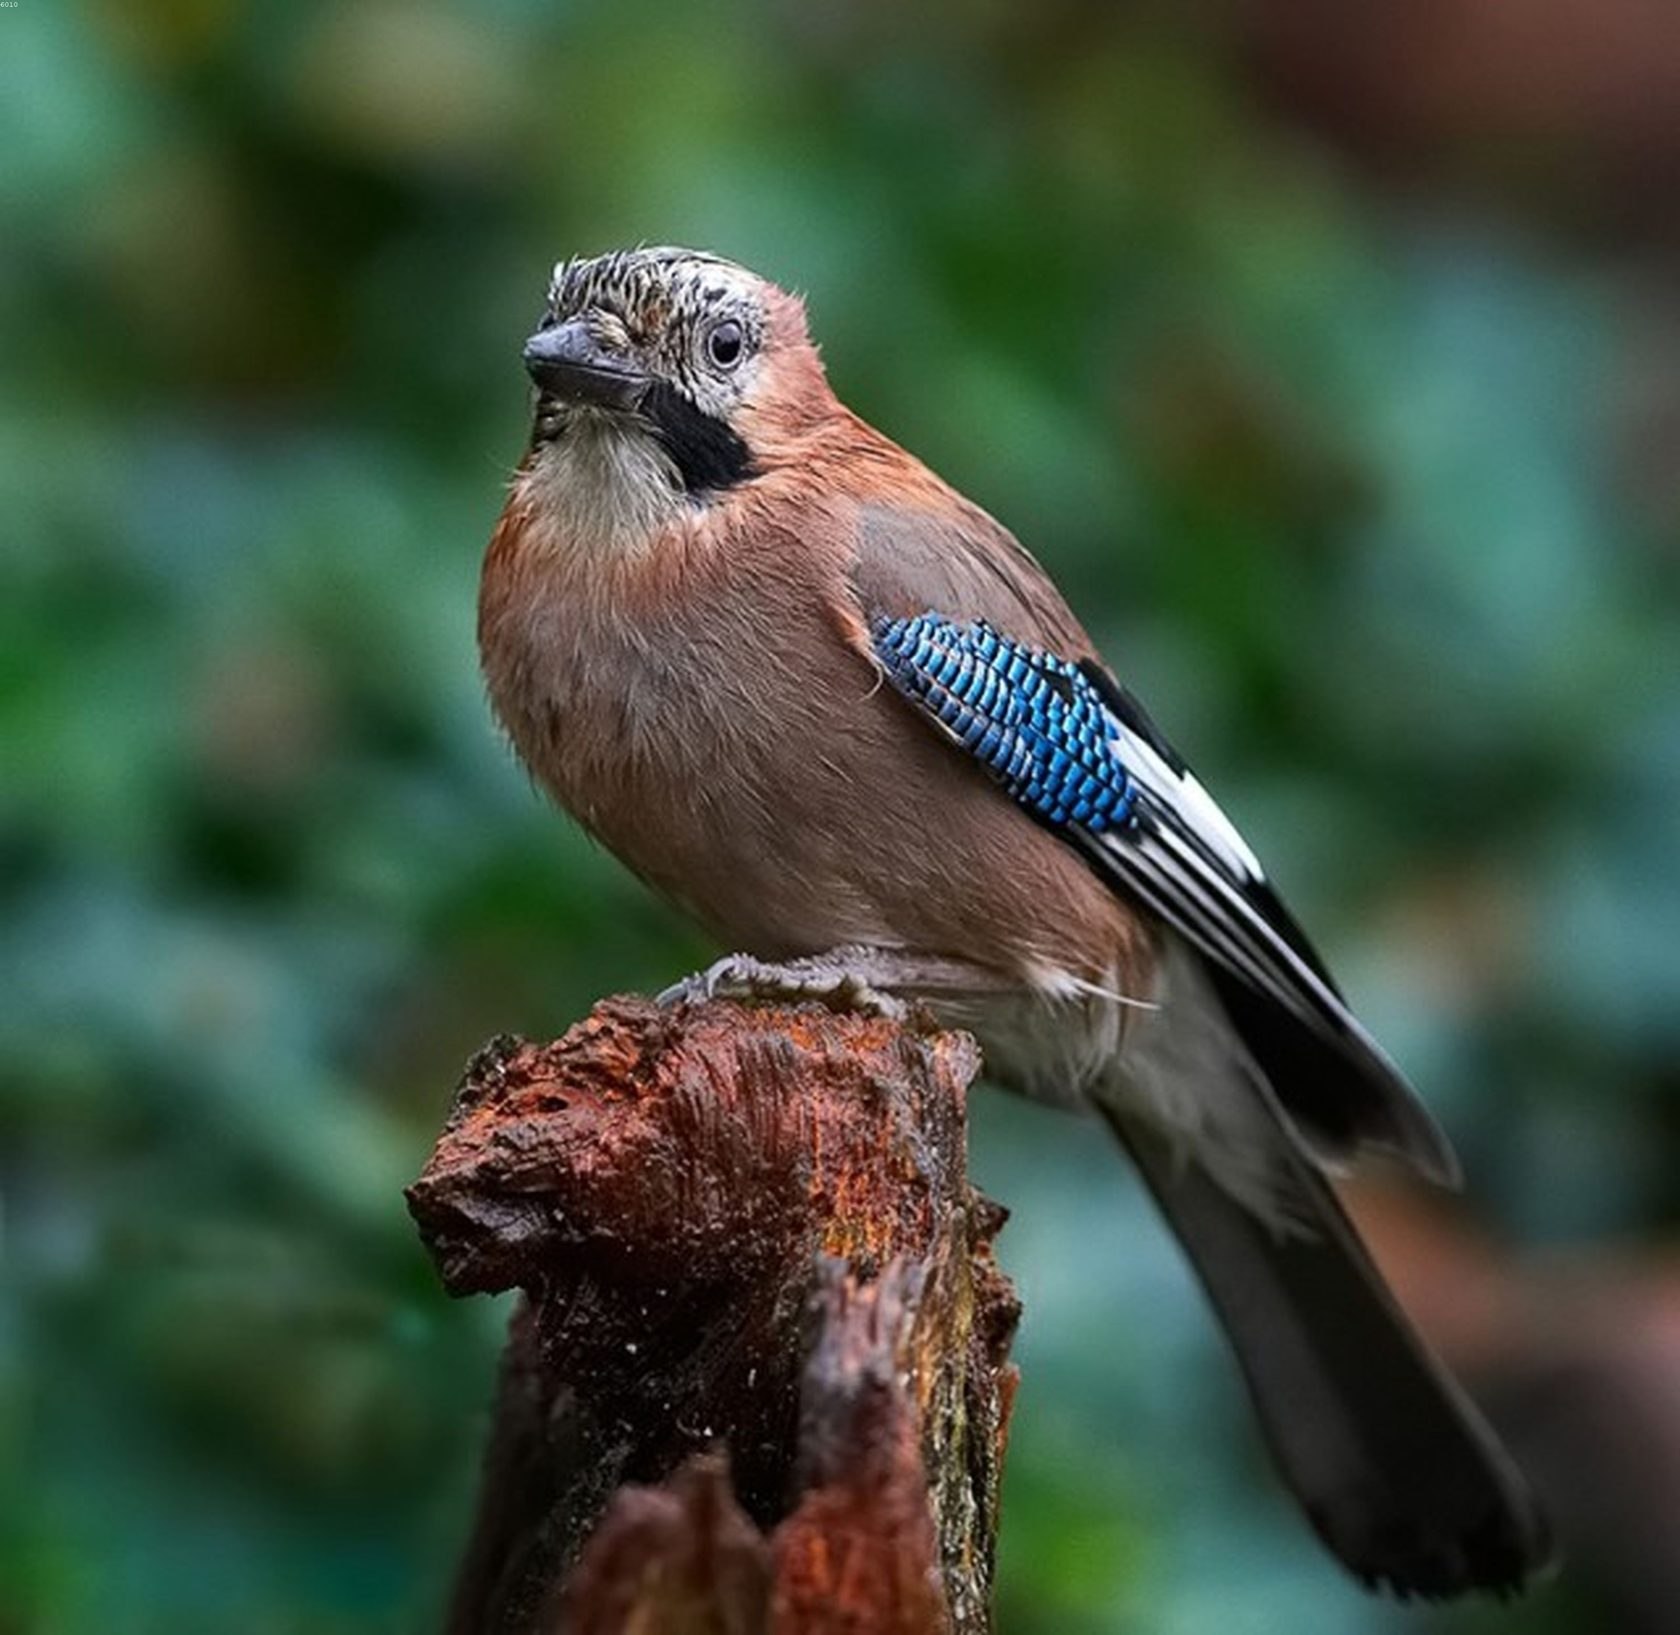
(669, 369)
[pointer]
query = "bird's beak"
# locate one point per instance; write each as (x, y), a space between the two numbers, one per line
(567, 362)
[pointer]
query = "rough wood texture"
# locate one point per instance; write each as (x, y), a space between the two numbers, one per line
(759, 1379)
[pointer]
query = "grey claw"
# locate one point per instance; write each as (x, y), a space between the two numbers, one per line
(694, 989)
(689, 991)
(729, 978)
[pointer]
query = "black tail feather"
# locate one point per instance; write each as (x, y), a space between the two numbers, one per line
(1395, 1468)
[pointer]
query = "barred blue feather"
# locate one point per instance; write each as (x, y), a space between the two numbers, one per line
(1031, 719)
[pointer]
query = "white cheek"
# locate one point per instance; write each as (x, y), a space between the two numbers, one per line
(721, 395)
(711, 394)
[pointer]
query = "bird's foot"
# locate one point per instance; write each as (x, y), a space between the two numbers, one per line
(823, 978)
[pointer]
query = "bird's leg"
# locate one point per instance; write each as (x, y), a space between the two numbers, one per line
(871, 981)
(832, 979)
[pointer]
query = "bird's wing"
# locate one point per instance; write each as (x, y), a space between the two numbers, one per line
(909, 558)
(1079, 754)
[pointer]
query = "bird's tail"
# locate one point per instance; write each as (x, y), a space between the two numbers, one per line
(1396, 1470)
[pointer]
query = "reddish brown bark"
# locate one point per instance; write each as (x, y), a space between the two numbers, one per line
(759, 1379)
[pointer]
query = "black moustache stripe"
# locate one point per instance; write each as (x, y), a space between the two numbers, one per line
(703, 448)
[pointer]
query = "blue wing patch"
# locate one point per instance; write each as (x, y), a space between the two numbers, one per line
(1031, 719)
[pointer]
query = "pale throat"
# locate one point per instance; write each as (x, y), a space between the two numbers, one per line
(603, 487)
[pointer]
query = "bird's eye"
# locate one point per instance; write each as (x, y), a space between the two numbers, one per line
(724, 344)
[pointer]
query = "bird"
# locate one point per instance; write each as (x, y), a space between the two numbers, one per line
(833, 711)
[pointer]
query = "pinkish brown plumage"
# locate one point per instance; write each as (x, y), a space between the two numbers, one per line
(737, 635)
(679, 623)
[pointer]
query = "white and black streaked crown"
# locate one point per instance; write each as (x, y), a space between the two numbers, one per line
(661, 290)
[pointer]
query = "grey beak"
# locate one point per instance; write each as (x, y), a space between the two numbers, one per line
(567, 362)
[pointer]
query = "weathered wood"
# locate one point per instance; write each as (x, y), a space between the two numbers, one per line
(759, 1378)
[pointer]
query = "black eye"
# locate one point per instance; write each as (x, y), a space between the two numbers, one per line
(724, 344)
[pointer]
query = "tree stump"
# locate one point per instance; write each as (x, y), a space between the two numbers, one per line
(759, 1377)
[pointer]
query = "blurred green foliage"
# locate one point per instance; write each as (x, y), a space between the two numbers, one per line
(1338, 487)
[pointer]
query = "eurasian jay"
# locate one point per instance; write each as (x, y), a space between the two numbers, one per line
(834, 711)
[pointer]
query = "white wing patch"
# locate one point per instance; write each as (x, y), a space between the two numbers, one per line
(1184, 792)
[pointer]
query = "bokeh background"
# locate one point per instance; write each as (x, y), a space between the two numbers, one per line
(1329, 355)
